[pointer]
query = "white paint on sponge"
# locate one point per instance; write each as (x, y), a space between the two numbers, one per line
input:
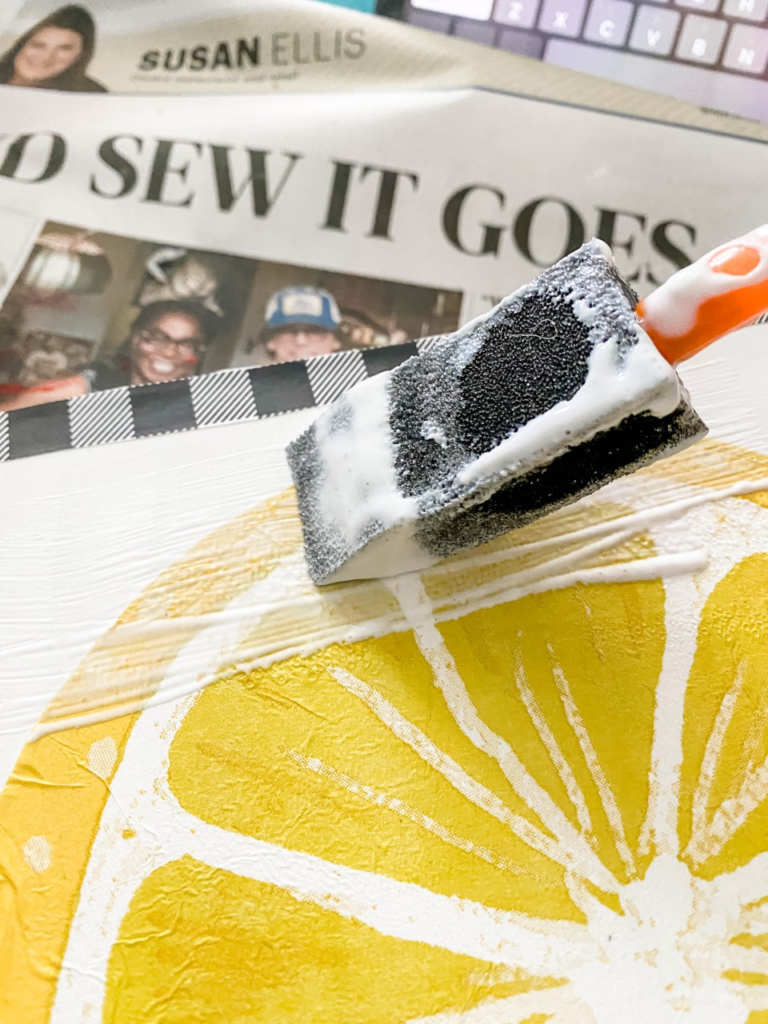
(619, 383)
(359, 479)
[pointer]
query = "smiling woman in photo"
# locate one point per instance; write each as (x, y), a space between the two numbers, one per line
(167, 341)
(54, 54)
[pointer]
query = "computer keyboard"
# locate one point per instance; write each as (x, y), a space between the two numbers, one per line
(712, 52)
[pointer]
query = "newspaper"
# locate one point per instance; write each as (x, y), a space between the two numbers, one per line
(183, 238)
(268, 46)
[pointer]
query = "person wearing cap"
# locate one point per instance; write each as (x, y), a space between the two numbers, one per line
(301, 322)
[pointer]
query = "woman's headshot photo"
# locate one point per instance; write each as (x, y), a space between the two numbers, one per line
(167, 341)
(54, 53)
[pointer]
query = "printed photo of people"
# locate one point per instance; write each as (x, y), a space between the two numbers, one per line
(54, 53)
(91, 311)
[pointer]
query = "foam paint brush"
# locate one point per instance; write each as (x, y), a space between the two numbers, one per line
(567, 384)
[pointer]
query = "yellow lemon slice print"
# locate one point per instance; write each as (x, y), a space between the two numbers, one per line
(528, 785)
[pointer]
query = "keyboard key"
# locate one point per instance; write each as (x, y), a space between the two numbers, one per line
(521, 13)
(608, 22)
(699, 5)
(480, 10)
(718, 90)
(748, 10)
(701, 39)
(475, 31)
(525, 43)
(654, 31)
(435, 22)
(747, 49)
(562, 17)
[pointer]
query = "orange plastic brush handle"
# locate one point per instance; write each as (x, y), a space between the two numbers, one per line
(724, 290)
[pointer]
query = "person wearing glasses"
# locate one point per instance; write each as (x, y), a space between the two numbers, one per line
(167, 341)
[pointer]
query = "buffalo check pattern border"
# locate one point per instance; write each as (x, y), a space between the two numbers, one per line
(213, 399)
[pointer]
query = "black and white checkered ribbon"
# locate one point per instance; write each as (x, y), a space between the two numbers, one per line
(227, 396)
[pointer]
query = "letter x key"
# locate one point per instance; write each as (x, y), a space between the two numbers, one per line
(562, 17)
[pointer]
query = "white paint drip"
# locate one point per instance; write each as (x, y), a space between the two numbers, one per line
(294, 591)
(558, 572)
